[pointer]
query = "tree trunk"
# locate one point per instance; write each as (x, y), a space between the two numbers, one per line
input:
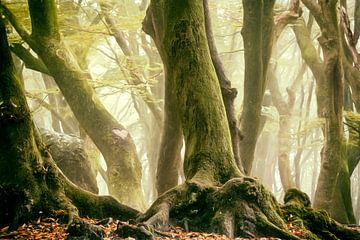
(169, 160)
(257, 34)
(215, 196)
(333, 159)
(69, 155)
(228, 93)
(29, 179)
(284, 145)
(338, 205)
(113, 140)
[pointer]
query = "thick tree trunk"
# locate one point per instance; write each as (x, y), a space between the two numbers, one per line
(113, 140)
(333, 159)
(29, 179)
(204, 155)
(257, 33)
(215, 196)
(69, 155)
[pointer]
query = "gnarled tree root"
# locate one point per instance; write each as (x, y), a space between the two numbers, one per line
(241, 207)
(315, 224)
(51, 191)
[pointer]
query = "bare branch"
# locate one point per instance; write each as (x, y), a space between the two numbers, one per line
(350, 41)
(293, 13)
(29, 60)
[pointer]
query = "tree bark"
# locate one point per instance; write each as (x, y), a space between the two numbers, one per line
(228, 93)
(333, 158)
(339, 208)
(257, 34)
(285, 109)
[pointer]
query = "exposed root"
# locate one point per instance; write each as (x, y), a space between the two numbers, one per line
(79, 229)
(51, 191)
(316, 224)
(242, 207)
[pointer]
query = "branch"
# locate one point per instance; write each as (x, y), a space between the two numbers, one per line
(30, 61)
(350, 41)
(20, 29)
(315, 10)
(118, 35)
(50, 108)
(293, 13)
(44, 21)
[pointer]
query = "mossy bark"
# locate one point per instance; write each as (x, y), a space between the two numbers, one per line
(311, 223)
(227, 92)
(113, 140)
(215, 196)
(338, 206)
(30, 182)
(333, 159)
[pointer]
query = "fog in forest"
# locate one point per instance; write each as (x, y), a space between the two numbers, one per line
(122, 64)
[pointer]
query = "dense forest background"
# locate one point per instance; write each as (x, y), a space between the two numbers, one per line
(102, 95)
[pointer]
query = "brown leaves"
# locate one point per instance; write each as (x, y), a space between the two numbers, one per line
(47, 228)
(51, 228)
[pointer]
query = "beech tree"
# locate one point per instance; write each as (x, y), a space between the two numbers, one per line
(30, 181)
(112, 139)
(216, 196)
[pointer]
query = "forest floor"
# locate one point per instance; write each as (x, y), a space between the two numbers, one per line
(53, 229)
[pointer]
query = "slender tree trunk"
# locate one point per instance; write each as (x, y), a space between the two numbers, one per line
(284, 145)
(52, 101)
(169, 160)
(257, 34)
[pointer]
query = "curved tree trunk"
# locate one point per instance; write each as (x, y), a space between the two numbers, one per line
(339, 207)
(110, 137)
(29, 179)
(285, 109)
(333, 159)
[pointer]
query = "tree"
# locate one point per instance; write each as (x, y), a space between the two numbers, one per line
(216, 196)
(332, 195)
(257, 34)
(30, 181)
(112, 139)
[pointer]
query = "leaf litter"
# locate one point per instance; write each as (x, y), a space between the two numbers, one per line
(53, 228)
